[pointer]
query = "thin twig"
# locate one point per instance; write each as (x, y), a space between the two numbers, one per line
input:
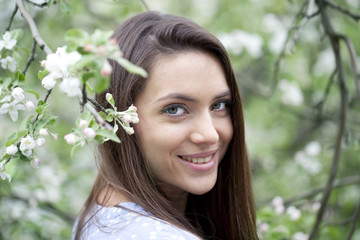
(12, 18)
(282, 54)
(33, 28)
(84, 98)
(96, 104)
(65, 216)
(345, 11)
(306, 195)
(354, 222)
(98, 118)
(321, 103)
(31, 58)
(42, 5)
(300, 27)
(354, 63)
(334, 39)
(145, 5)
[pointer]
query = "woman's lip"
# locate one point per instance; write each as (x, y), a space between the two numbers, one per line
(200, 155)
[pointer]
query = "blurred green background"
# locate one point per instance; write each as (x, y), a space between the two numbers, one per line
(290, 129)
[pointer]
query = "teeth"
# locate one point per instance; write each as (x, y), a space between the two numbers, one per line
(197, 160)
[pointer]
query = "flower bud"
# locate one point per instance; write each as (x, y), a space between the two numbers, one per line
(35, 162)
(106, 69)
(89, 133)
(83, 124)
(129, 130)
(112, 41)
(43, 132)
(11, 150)
(48, 82)
(70, 138)
(100, 50)
(18, 94)
(40, 141)
(88, 47)
(29, 105)
(43, 63)
(128, 118)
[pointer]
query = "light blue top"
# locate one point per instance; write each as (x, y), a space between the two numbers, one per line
(116, 223)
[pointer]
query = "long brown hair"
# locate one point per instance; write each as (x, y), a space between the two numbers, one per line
(227, 211)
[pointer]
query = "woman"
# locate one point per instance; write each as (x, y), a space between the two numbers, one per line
(184, 174)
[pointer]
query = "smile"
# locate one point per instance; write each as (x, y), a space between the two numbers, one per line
(197, 160)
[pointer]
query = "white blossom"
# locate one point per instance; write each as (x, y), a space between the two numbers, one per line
(11, 150)
(71, 86)
(7, 42)
(313, 148)
(27, 152)
(238, 40)
(89, 133)
(48, 82)
(291, 93)
(4, 175)
(35, 162)
(293, 212)
(58, 63)
(11, 108)
(8, 63)
(29, 105)
(40, 141)
(71, 138)
(278, 205)
(300, 236)
(27, 143)
(18, 94)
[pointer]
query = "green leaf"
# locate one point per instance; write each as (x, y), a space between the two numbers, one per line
(103, 115)
(44, 122)
(33, 92)
(17, 34)
(15, 136)
(110, 99)
(101, 84)
(65, 7)
(108, 134)
(19, 76)
(25, 122)
(131, 67)
(41, 107)
(76, 36)
(42, 74)
(89, 88)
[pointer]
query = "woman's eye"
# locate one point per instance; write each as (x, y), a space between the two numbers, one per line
(220, 105)
(174, 110)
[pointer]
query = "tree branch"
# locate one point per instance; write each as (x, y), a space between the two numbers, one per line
(320, 104)
(340, 183)
(299, 28)
(12, 18)
(345, 11)
(98, 118)
(334, 39)
(356, 217)
(354, 64)
(31, 57)
(33, 27)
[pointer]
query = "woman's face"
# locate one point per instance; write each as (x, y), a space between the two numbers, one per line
(185, 125)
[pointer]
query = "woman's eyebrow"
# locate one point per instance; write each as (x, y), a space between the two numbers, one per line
(187, 98)
(179, 96)
(222, 95)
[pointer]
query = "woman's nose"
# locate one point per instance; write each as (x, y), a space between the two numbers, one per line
(204, 130)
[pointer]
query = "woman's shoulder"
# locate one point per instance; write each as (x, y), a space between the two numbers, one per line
(128, 220)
